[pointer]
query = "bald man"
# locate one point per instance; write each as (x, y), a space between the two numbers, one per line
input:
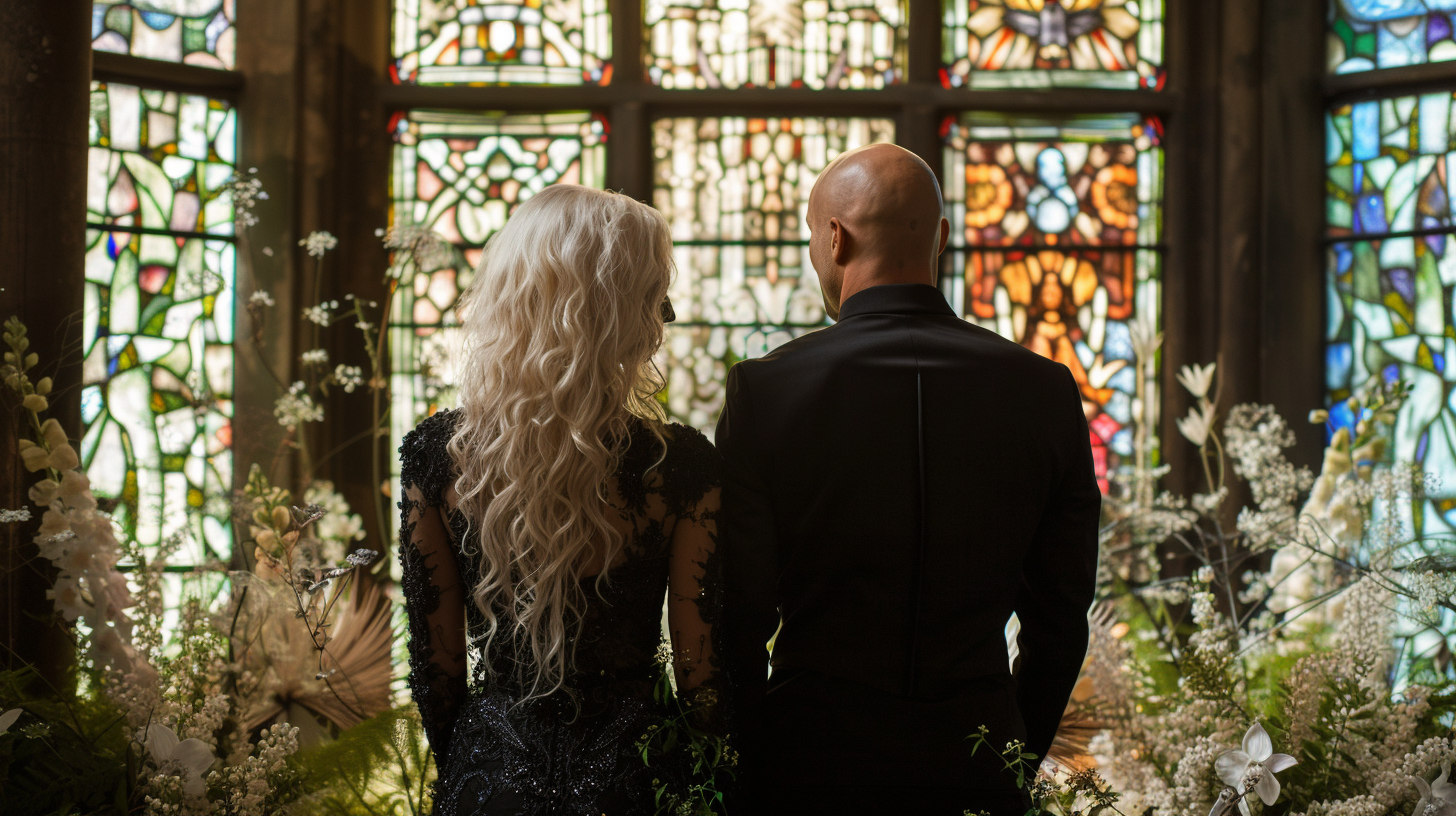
(895, 487)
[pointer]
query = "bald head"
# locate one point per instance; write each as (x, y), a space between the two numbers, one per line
(875, 215)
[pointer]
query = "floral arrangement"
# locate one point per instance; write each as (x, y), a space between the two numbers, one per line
(274, 696)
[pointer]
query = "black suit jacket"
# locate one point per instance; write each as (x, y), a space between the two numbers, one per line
(895, 486)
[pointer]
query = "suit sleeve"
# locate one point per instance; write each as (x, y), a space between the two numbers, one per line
(750, 566)
(1058, 579)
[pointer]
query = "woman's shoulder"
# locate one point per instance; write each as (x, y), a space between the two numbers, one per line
(691, 464)
(423, 457)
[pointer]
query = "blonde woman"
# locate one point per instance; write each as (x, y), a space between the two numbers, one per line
(543, 520)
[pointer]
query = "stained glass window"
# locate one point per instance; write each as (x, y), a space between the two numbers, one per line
(775, 43)
(158, 321)
(736, 192)
(197, 32)
(1369, 34)
(1390, 271)
(462, 175)
(502, 42)
(1055, 229)
(1053, 43)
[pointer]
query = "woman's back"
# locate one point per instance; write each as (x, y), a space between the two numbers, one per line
(573, 750)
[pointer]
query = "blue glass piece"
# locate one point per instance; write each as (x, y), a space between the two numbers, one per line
(1338, 359)
(1404, 284)
(1365, 121)
(91, 403)
(1391, 373)
(1121, 442)
(156, 20)
(1118, 342)
(1370, 213)
(1379, 10)
(1119, 407)
(1085, 353)
(1124, 380)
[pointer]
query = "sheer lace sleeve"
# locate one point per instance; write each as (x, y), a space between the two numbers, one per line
(433, 593)
(694, 607)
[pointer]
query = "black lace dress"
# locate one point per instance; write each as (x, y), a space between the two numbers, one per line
(573, 752)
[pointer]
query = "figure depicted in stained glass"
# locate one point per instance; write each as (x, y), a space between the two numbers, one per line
(542, 522)
(735, 191)
(502, 42)
(775, 43)
(1049, 229)
(895, 487)
(1369, 34)
(1005, 43)
(158, 321)
(197, 32)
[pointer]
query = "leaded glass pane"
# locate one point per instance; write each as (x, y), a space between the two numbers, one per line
(197, 32)
(159, 316)
(502, 42)
(1369, 34)
(775, 43)
(1389, 295)
(462, 175)
(1055, 230)
(736, 193)
(1053, 43)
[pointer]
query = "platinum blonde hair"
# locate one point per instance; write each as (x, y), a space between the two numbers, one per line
(559, 328)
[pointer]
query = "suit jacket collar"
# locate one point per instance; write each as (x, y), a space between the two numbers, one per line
(896, 298)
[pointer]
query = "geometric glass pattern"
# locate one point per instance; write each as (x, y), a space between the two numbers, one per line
(462, 175)
(735, 191)
(1391, 273)
(775, 43)
(1053, 43)
(197, 32)
(157, 395)
(1055, 237)
(502, 42)
(1369, 34)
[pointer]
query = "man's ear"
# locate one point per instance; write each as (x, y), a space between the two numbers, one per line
(838, 242)
(944, 235)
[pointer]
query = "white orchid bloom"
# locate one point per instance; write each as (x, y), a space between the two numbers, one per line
(1197, 379)
(1438, 798)
(1197, 424)
(1253, 768)
(8, 719)
(192, 755)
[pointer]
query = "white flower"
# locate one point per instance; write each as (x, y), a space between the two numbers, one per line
(319, 242)
(1253, 768)
(10, 516)
(1196, 425)
(1197, 379)
(8, 719)
(1438, 798)
(262, 297)
(318, 314)
(297, 407)
(1319, 417)
(192, 755)
(350, 377)
(315, 356)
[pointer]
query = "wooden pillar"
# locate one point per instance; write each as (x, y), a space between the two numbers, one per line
(629, 146)
(45, 74)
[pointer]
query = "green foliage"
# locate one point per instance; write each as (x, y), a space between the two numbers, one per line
(65, 755)
(693, 765)
(380, 767)
(1083, 793)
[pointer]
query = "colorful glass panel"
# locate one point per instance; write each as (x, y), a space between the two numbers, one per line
(502, 42)
(462, 175)
(775, 43)
(1053, 43)
(158, 320)
(1055, 230)
(736, 193)
(1369, 34)
(197, 32)
(1390, 276)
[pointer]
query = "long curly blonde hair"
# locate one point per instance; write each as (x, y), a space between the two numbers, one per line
(559, 329)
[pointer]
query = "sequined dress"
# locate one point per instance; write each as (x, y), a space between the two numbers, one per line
(573, 752)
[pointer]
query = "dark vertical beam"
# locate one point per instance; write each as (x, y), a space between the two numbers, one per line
(1190, 272)
(268, 44)
(1293, 169)
(629, 148)
(917, 127)
(45, 75)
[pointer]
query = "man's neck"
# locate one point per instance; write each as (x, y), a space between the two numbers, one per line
(857, 280)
